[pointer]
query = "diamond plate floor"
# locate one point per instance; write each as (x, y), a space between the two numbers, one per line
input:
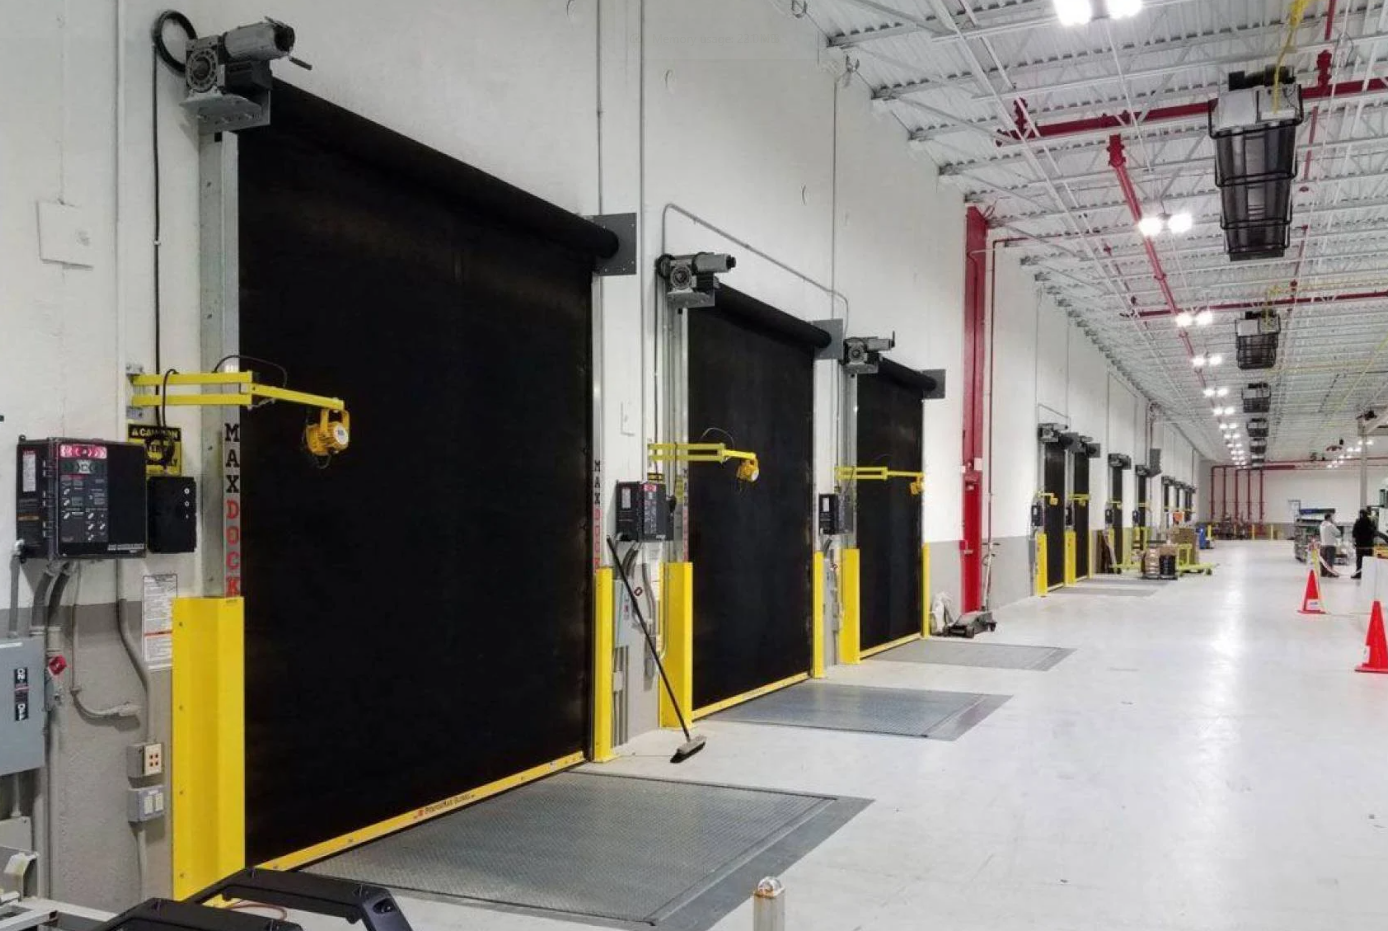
(972, 653)
(623, 851)
(903, 712)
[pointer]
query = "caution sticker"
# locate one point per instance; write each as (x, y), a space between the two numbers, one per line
(163, 448)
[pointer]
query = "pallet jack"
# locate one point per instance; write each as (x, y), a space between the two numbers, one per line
(976, 622)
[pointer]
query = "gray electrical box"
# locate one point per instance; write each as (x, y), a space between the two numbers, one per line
(21, 705)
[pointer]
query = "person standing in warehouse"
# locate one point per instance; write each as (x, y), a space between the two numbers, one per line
(1364, 532)
(1330, 543)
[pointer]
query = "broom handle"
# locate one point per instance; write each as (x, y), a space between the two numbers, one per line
(655, 655)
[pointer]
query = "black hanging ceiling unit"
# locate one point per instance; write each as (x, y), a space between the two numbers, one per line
(1257, 398)
(1253, 124)
(1255, 340)
(1258, 428)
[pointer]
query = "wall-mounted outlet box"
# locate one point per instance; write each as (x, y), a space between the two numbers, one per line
(144, 760)
(144, 804)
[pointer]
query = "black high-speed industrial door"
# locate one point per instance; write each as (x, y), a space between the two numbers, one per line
(890, 433)
(751, 386)
(1120, 554)
(417, 610)
(1143, 517)
(1080, 489)
(1053, 484)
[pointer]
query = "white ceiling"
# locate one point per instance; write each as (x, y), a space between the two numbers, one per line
(953, 72)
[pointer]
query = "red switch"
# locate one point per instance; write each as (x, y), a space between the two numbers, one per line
(56, 665)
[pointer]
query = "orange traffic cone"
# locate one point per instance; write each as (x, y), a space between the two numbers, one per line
(1311, 601)
(1376, 647)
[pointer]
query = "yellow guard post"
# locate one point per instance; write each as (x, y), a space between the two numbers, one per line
(850, 637)
(209, 742)
(677, 604)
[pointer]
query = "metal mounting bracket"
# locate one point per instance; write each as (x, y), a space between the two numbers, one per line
(623, 263)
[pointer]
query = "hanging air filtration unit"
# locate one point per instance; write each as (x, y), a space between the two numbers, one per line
(1255, 341)
(1257, 398)
(1258, 428)
(1253, 125)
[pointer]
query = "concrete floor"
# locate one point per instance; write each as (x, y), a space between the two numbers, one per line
(1206, 760)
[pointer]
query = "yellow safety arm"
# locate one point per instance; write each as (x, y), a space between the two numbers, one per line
(249, 390)
(329, 435)
(748, 471)
(861, 473)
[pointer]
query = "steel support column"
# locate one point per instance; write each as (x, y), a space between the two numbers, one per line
(975, 349)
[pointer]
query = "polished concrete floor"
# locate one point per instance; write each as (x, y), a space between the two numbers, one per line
(1205, 760)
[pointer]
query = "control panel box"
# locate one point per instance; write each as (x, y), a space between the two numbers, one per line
(643, 512)
(831, 517)
(173, 514)
(80, 499)
(21, 705)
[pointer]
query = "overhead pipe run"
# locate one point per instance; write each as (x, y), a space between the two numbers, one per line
(1118, 161)
(1127, 121)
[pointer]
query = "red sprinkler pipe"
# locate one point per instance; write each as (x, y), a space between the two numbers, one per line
(1238, 516)
(1185, 112)
(1118, 161)
(1262, 478)
(1299, 300)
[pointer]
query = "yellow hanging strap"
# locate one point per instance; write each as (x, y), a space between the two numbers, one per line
(1298, 12)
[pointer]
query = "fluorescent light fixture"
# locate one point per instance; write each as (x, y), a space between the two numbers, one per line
(1122, 9)
(1197, 361)
(1229, 410)
(1222, 392)
(1204, 318)
(1216, 359)
(1235, 435)
(1209, 392)
(1073, 12)
(1184, 319)
(1151, 226)
(1181, 222)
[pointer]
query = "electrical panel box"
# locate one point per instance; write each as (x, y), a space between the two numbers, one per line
(144, 804)
(831, 522)
(21, 705)
(144, 760)
(643, 512)
(173, 514)
(80, 499)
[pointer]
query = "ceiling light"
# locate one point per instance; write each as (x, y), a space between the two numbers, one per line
(1198, 361)
(1216, 359)
(1151, 226)
(1209, 392)
(1235, 435)
(1204, 318)
(1229, 410)
(1180, 222)
(1073, 12)
(1184, 319)
(1223, 392)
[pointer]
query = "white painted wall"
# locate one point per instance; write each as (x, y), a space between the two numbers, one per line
(742, 125)
(1050, 371)
(1319, 488)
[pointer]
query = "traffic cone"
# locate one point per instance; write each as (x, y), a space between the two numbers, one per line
(1376, 647)
(1311, 601)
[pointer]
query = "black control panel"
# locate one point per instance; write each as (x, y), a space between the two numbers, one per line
(173, 514)
(80, 499)
(831, 522)
(643, 512)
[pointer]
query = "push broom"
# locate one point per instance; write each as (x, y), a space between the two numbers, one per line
(692, 744)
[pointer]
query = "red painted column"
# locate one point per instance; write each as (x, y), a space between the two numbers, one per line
(975, 365)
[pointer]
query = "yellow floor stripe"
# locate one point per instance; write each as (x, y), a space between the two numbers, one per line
(338, 844)
(873, 651)
(727, 703)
